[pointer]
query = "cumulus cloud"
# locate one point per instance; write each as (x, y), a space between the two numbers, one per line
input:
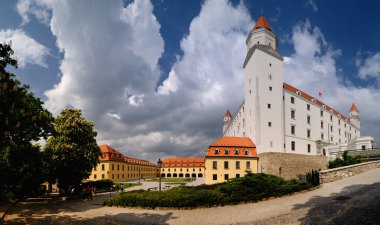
(27, 50)
(312, 67)
(110, 70)
(370, 67)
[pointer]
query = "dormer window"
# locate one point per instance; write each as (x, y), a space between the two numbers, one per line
(236, 151)
(112, 156)
(324, 106)
(298, 92)
(216, 151)
(313, 100)
(245, 152)
(226, 152)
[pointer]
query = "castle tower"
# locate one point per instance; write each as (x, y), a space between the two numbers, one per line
(263, 89)
(226, 120)
(354, 116)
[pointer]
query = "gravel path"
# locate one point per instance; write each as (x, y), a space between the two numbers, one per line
(354, 200)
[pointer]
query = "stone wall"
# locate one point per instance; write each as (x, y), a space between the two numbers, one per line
(292, 165)
(331, 175)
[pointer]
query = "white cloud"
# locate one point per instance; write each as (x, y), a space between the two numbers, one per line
(370, 67)
(36, 8)
(27, 50)
(110, 65)
(313, 5)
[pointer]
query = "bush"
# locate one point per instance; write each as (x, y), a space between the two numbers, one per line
(251, 188)
(346, 161)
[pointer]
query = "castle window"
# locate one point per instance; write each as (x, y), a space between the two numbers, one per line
(226, 152)
(270, 88)
(308, 133)
(293, 114)
(103, 176)
(269, 106)
(269, 124)
(293, 129)
(292, 100)
(331, 128)
(332, 138)
(293, 145)
(249, 91)
(331, 118)
(339, 131)
(237, 164)
(113, 167)
(324, 106)
(225, 176)
(103, 167)
(270, 64)
(95, 176)
(345, 125)
(308, 107)
(248, 165)
(313, 100)
(236, 151)
(321, 113)
(308, 119)
(214, 177)
(322, 136)
(322, 124)
(225, 164)
(216, 151)
(308, 148)
(246, 152)
(298, 92)
(269, 76)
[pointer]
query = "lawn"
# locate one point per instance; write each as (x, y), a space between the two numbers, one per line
(250, 188)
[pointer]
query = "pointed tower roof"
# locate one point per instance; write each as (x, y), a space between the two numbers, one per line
(228, 114)
(262, 23)
(353, 107)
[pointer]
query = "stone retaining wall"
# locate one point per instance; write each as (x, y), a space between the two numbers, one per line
(331, 175)
(292, 165)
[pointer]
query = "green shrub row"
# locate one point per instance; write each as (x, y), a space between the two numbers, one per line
(346, 161)
(250, 188)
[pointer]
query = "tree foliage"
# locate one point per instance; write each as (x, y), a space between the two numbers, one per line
(72, 150)
(22, 120)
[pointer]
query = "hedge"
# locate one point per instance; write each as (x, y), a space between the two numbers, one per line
(250, 188)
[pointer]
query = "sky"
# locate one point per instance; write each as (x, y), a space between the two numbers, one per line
(156, 77)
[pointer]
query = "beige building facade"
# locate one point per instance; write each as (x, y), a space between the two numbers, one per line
(230, 157)
(118, 168)
(183, 167)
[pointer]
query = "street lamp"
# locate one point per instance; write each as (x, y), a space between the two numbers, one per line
(159, 164)
(108, 174)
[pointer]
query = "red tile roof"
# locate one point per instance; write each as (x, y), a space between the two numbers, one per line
(353, 107)
(306, 96)
(262, 23)
(228, 114)
(183, 162)
(110, 154)
(232, 147)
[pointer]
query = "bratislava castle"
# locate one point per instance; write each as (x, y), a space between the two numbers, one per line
(281, 118)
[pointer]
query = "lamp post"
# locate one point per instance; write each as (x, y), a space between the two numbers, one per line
(108, 174)
(159, 165)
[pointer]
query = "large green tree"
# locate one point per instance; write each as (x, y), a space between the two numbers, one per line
(22, 121)
(72, 150)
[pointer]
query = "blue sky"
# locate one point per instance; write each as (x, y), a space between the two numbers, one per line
(153, 75)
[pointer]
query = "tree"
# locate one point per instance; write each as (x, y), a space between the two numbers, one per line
(72, 150)
(22, 121)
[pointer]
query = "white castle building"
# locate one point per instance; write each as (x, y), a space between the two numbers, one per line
(281, 118)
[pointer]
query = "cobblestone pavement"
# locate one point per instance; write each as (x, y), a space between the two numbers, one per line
(354, 200)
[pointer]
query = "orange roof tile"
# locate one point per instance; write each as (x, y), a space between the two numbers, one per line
(106, 148)
(353, 107)
(232, 147)
(228, 114)
(183, 162)
(262, 23)
(306, 96)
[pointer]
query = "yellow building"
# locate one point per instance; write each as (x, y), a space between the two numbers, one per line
(230, 157)
(118, 168)
(183, 167)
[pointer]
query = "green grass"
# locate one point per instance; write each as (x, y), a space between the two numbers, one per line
(171, 180)
(251, 188)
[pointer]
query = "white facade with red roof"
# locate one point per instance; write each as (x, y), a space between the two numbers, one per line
(281, 118)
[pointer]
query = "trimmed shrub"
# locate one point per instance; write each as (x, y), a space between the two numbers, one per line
(346, 161)
(251, 188)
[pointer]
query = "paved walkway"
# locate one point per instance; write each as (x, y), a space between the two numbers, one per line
(354, 200)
